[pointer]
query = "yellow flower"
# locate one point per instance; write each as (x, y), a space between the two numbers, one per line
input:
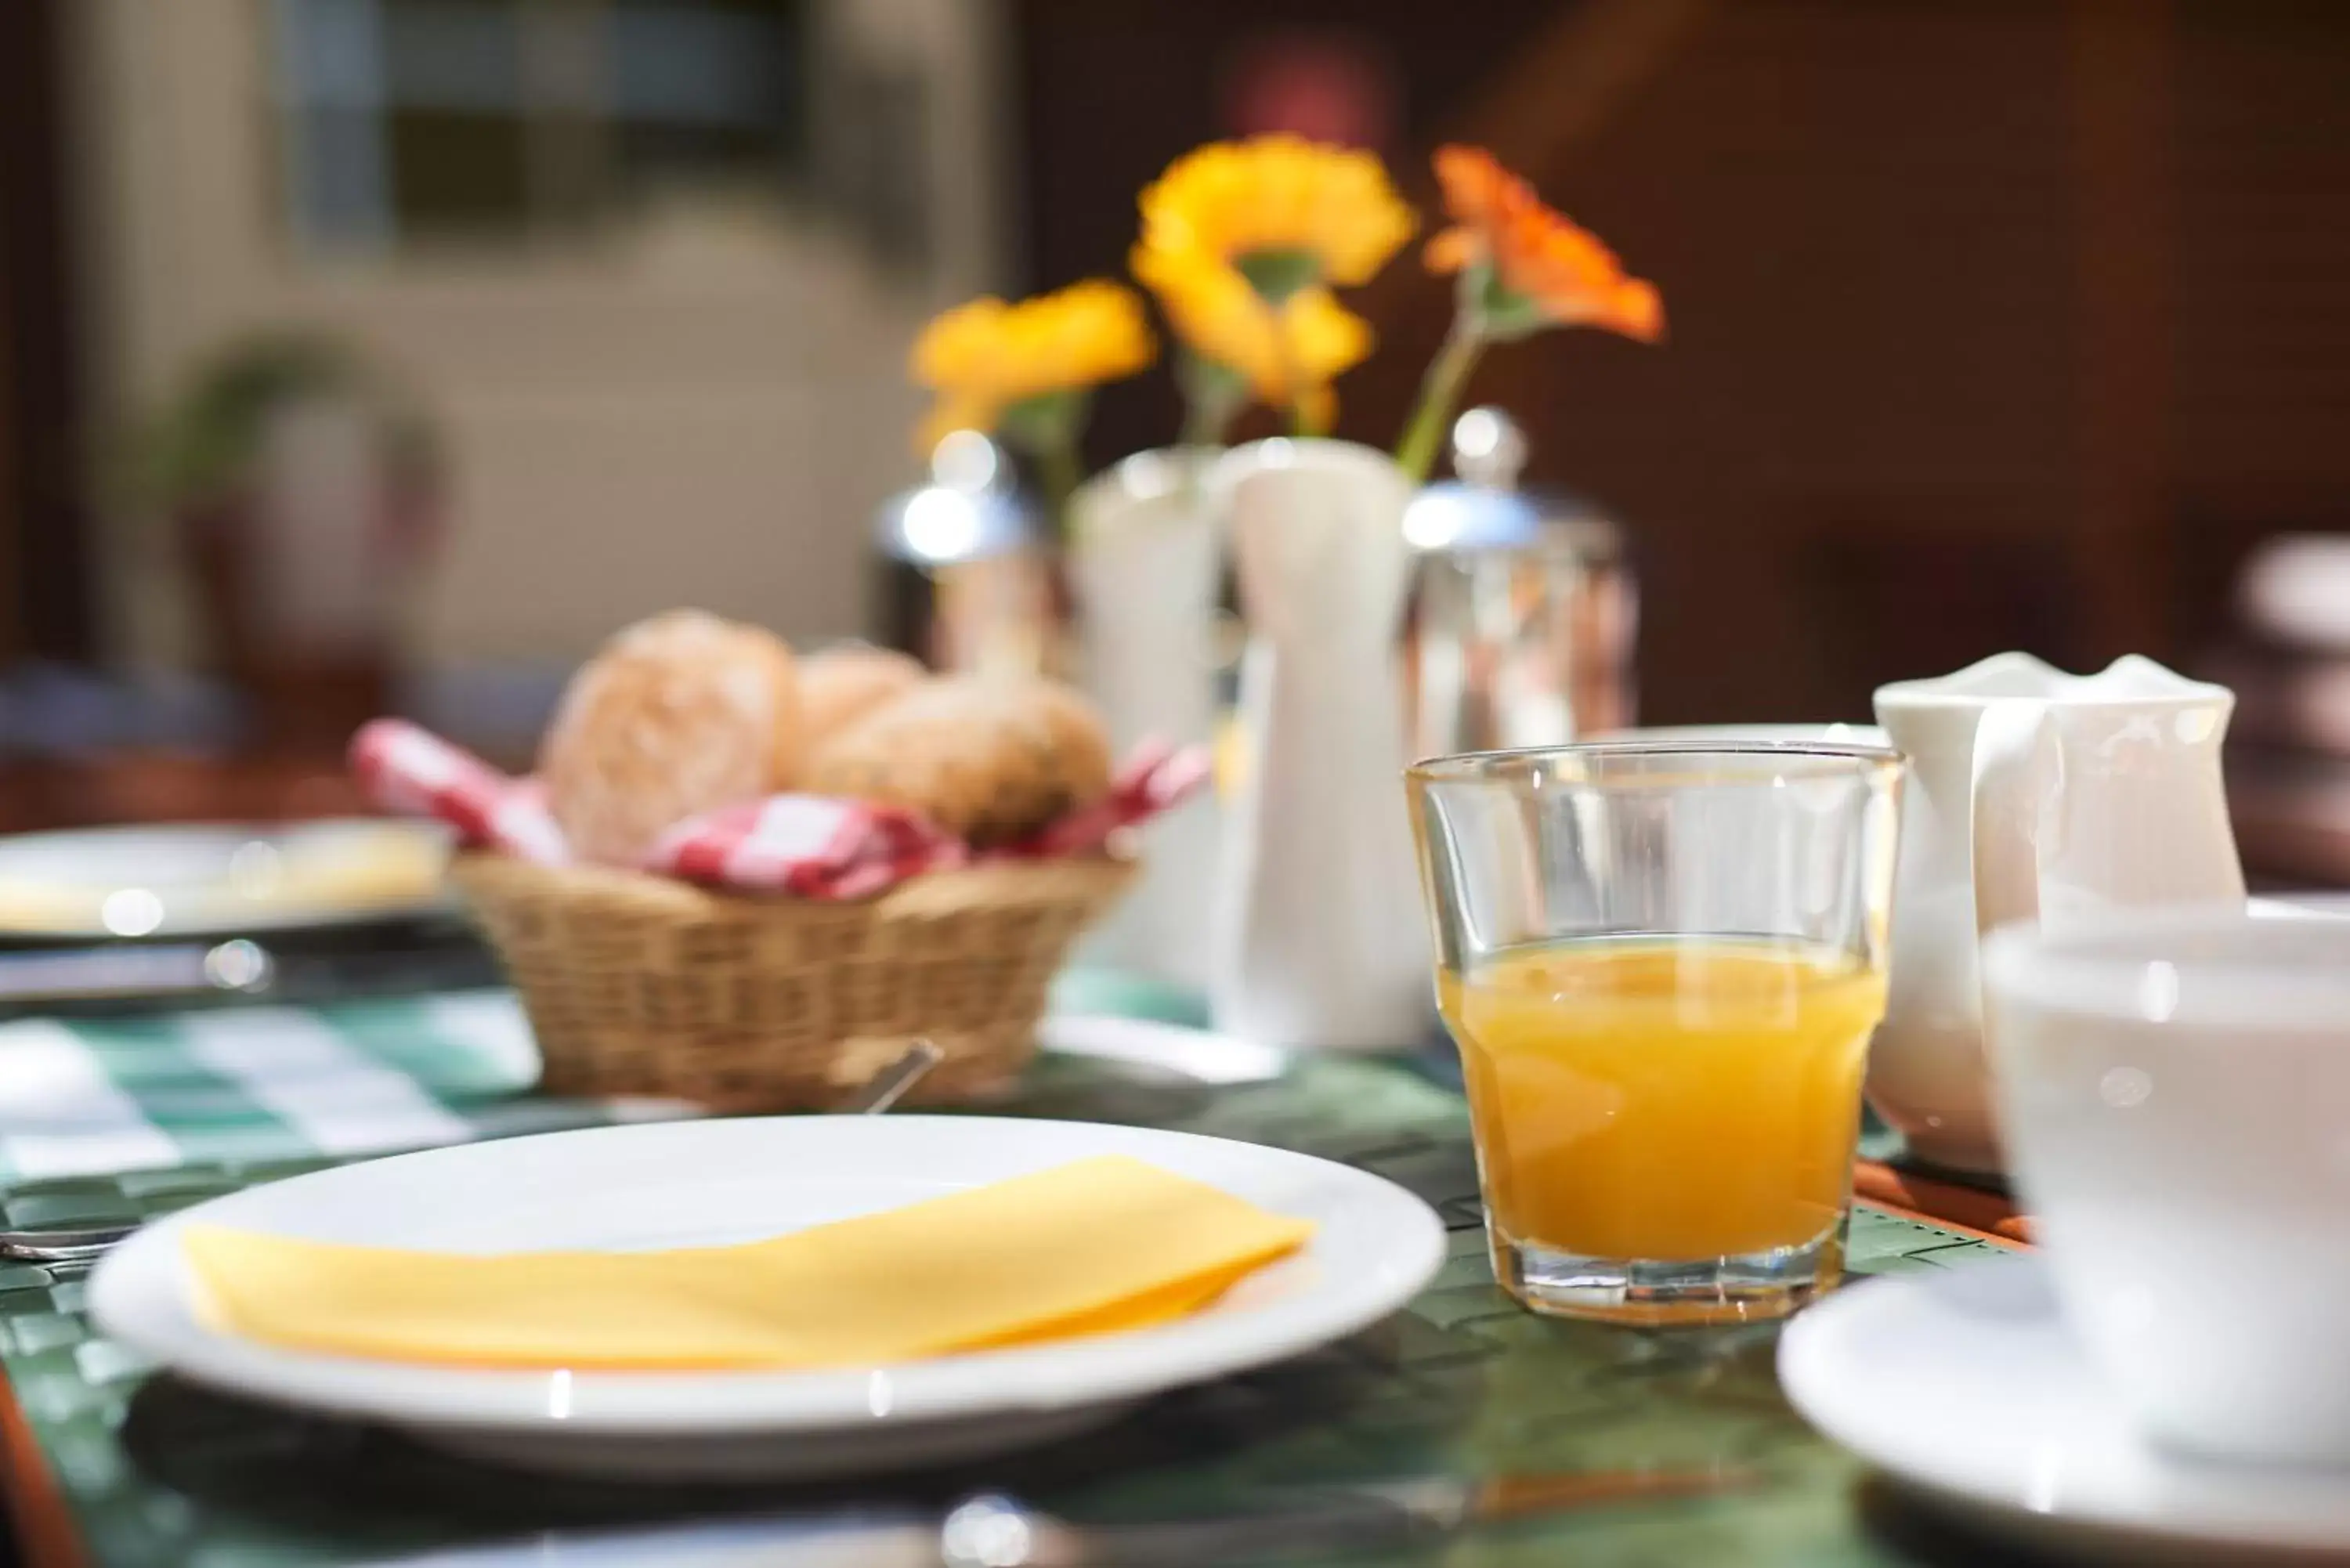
(1319, 213)
(986, 358)
(1288, 353)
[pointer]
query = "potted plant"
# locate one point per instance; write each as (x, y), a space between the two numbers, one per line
(302, 488)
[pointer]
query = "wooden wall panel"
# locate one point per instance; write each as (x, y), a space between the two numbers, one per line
(2263, 172)
(1993, 321)
(45, 600)
(1861, 218)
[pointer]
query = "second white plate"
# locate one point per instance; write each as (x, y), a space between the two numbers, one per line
(217, 879)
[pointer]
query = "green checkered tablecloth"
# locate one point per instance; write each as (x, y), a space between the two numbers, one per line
(149, 1473)
(93, 1096)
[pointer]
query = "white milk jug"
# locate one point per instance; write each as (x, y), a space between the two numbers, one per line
(2033, 794)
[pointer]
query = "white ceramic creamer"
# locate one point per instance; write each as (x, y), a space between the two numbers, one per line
(2033, 794)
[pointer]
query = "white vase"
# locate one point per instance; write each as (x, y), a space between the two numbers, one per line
(1319, 940)
(1143, 562)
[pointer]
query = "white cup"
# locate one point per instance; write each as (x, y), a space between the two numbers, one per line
(2174, 1089)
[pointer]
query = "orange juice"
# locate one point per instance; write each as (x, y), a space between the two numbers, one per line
(1664, 1099)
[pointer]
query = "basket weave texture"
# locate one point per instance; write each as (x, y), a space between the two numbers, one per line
(644, 985)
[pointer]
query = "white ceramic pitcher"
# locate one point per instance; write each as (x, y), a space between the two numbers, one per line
(1318, 940)
(2032, 794)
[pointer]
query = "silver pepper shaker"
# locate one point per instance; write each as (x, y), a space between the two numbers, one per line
(976, 586)
(1524, 608)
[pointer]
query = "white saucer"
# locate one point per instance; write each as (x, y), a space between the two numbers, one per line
(678, 1184)
(1196, 1053)
(1966, 1386)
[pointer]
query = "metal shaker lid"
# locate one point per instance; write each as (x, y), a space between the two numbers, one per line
(1484, 509)
(970, 510)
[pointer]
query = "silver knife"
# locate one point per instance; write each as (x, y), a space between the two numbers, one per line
(998, 1532)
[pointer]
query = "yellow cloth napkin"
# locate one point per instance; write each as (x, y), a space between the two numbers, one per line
(1093, 1246)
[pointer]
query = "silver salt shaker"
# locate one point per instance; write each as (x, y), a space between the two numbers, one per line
(1524, 608)
(976, 585)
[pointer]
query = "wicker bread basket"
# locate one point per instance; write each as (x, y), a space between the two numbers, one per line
(643, 985)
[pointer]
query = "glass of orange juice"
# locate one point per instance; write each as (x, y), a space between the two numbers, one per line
(1661, 964)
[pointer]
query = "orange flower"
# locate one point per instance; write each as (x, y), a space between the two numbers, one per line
(1541, 268)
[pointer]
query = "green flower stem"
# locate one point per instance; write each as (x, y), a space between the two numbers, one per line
(1284, 352)
(1212, 397)
(1046, 428)
(1278, 276)
(1440, 394)
(1059, 470)
(1201, 424)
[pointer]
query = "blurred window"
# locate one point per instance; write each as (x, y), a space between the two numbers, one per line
(407, 119)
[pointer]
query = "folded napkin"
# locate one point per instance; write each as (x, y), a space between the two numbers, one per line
(1094, 1247)
(813, 845)
(808, 845)
(414, 773)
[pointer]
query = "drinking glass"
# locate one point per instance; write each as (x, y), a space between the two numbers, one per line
(1661, 963)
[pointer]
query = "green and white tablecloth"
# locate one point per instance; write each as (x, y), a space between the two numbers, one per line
(117, 1469)
(242, 1086)
(94, 1097)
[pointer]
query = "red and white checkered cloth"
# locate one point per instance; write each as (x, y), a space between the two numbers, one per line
(812, 845)
(415, 773)
(1155, 777)
(805, 844)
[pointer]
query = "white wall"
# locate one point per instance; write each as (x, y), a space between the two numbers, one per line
(705, 410)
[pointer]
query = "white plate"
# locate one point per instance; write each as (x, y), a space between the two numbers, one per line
(711, 1183)
(1966, 1386)
(217, 879)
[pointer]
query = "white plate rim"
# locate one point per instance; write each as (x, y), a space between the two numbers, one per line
(192, 913)
(1808, 1361)
(137, 1296)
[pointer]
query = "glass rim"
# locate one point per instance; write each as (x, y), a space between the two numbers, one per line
(1471, 767)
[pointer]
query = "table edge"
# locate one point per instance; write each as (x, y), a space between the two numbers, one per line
(39, 1518)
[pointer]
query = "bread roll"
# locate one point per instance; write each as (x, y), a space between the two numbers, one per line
(841, 685)
(990, 760)
(675, 716)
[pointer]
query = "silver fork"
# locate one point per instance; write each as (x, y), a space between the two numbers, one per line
(87, 1243)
